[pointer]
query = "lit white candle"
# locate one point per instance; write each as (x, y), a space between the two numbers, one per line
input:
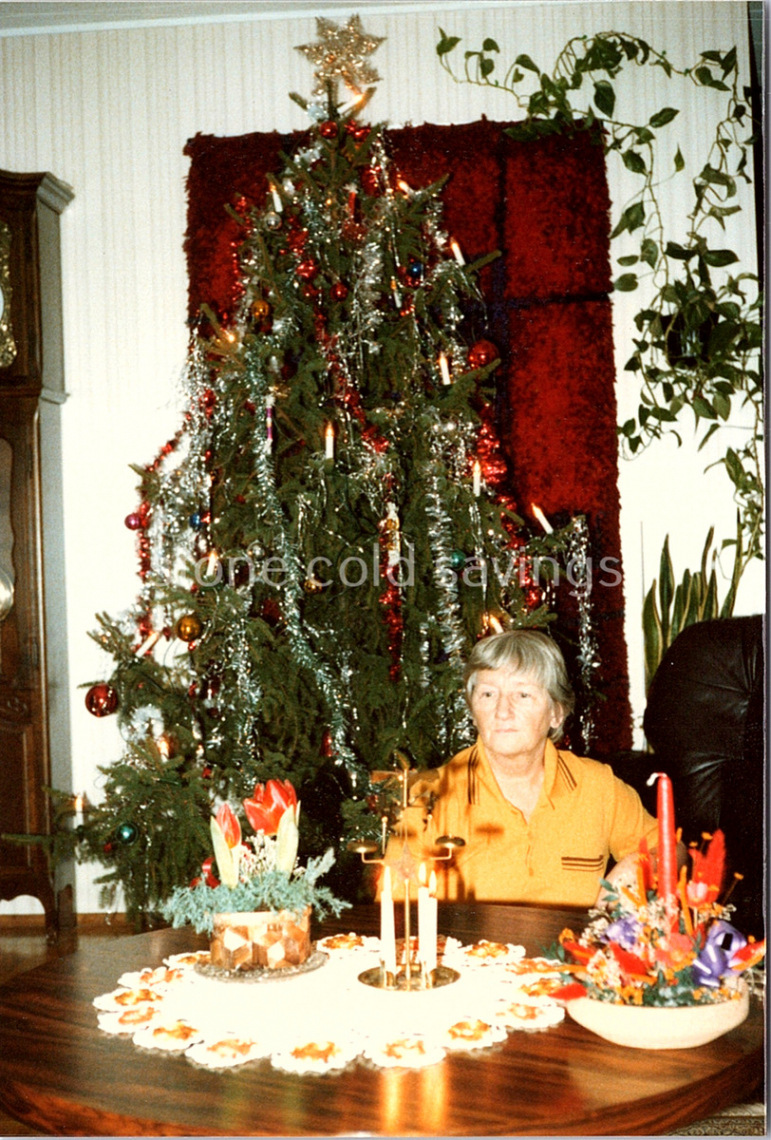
(423, 933)
(542, 518)
(477, 478)
(457, 253)
(329, 442)
(431, 919)
(78, 804)
(494, 624)
(387, 932)
(444, 368)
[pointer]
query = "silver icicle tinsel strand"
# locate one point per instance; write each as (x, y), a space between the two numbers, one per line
(588, 654)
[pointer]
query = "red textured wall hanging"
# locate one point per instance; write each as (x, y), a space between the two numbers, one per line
(545, 205)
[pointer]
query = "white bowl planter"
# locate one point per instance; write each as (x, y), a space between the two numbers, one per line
(660, 1027)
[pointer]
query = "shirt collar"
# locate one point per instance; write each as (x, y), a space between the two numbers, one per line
(557, 778)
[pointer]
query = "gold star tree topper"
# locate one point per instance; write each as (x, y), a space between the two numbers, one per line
(340, 53)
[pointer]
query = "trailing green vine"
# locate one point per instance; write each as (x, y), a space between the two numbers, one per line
(698, 340)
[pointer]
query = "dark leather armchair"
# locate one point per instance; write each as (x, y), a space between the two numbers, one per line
(704, 722)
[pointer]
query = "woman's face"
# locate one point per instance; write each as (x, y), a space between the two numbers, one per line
(513, 713)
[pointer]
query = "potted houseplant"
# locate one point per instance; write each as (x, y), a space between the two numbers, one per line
(251, 897)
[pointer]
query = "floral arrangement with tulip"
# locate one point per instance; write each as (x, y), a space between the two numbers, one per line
(645, 948)
(259, 872)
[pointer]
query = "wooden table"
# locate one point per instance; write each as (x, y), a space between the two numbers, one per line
(61, 1074)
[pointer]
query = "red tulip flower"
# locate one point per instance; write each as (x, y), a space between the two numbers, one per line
(231, 828)
(268, 804)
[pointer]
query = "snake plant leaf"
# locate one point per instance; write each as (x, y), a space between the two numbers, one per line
(652, 638)
(666, 590)
(696, 599)
(728, 605)
(705, 553)
(710, 607)
(680, 606)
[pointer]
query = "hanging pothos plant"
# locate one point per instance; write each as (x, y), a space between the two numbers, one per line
(698, 340)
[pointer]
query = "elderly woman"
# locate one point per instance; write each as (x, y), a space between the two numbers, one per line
(539, 823)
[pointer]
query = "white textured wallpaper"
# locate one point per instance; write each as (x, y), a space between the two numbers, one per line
(110, 110)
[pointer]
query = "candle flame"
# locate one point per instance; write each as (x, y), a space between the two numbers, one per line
(432, 884)
(494, 624)
(422, 874)
(79, 802)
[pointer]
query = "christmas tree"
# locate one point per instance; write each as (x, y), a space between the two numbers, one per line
(329, 531)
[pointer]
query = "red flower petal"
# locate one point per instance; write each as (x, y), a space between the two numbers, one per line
(231, 828)
(269, 802)
(569, 992)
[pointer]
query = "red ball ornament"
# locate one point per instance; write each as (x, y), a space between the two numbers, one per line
(296, 240)
(328, 129)
(133, 521)
(533, 597)
(370, 181)
(270, 611)
(101, 699)
(309, 291)
(339, 291)
(354, 232)
(307, 269)
(482, 353)
(358, 131)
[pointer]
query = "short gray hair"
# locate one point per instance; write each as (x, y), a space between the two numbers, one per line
(530, 653)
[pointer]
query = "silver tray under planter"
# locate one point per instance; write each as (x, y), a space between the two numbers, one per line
(262, 973)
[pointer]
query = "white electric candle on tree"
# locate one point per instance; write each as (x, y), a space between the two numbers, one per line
(278, 205)
(444, 368)
(477, 478)
(542, 518)
(329, 442)
(457, 253)
(387, 931)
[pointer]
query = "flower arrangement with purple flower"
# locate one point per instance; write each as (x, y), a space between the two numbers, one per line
(640, 950)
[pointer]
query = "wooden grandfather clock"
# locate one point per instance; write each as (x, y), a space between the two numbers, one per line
(32, 613)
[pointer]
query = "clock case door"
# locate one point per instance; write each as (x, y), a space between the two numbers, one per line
(34, 712)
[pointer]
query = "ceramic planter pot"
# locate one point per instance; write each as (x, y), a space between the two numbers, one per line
(260, 939)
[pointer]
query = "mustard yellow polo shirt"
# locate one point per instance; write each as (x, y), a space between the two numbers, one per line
(584, 814)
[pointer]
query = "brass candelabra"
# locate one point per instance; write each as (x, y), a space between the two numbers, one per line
(415, 976)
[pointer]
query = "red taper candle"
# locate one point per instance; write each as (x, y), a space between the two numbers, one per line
(666, 856)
